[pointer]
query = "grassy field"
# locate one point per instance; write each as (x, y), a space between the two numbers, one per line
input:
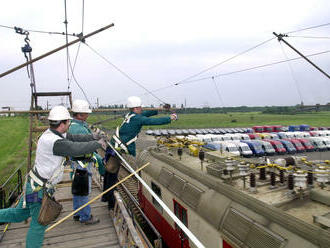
(233, 120)
(13, 144)
(14, 130)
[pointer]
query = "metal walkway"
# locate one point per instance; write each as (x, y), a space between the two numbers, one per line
(70, 234)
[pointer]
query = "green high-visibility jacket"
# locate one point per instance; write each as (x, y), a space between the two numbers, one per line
(81, 127)
(130, 130)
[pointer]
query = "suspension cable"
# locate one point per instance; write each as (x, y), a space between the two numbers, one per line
(66, 42)
(218, 92)
(124, 73)
(292, 74)
(76, 81)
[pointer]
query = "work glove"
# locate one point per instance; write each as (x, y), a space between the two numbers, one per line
(99, 135)
(174, 117)
(103, 143)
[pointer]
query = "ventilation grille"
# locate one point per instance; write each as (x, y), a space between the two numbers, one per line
(165, 177)
(244, 231)
(176, 185)
(236, 226)
(260, 237)
(191, 195)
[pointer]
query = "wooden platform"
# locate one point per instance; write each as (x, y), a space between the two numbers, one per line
(70, 234)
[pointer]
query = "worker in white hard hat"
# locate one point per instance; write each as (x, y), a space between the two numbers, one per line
(126, 135)
(82, 165)
(52, 148)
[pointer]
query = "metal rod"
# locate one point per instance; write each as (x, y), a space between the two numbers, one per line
(55, 50)
(96, 197)
(163, 205)
(47, 111)
(280, 38)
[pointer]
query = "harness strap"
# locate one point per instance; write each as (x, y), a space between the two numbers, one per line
(83, 165)
(35, 179)
(116, 137)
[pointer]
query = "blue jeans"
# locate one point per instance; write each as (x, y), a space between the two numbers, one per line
(79, 200)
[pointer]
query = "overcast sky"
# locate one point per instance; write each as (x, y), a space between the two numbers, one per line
(160, 43)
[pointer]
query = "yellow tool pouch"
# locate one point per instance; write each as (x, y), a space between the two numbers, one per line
(49, 211)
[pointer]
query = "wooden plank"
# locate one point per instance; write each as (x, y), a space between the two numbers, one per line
(70, 233)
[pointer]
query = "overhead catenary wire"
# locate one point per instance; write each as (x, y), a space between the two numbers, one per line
(125, 74)
(308, 28)
(207, 69)
(38, 31)
(79, 45)
(308, 37)
(254, 67)
(222, 62)
(230, 73)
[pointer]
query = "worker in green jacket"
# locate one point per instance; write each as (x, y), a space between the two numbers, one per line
(125, 136)
(82, 166)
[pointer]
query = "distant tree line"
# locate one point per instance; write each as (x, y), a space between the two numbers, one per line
(265, 110)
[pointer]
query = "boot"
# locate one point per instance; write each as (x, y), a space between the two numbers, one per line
(92, 220)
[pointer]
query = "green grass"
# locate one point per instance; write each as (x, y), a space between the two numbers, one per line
(250, 119)
(14, 130)
(13, 144)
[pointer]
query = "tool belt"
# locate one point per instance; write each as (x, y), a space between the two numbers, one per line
(50, 209)
(80, 183)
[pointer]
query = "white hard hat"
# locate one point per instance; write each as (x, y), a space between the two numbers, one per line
(59, 113)
(134, 101)
(81, 106)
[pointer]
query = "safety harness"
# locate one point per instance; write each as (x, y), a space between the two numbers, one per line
(119, 144)
(35, 178)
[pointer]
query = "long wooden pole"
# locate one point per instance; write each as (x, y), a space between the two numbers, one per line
(55, 50)
(97, 197)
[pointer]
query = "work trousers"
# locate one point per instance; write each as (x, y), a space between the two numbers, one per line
(80, 200)
(110, 179)
(36, 232)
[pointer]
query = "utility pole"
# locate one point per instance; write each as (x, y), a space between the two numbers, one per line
(280, 38)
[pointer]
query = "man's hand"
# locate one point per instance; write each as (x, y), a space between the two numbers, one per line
(174, 117)
(103, 143)
(98, 134)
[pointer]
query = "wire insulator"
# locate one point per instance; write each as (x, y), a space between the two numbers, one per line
(180, 151)
(282, 176)
(262, 174)
(201, 155)
(310, 179)
(290, 182)
(272, 179)
(252, 180)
